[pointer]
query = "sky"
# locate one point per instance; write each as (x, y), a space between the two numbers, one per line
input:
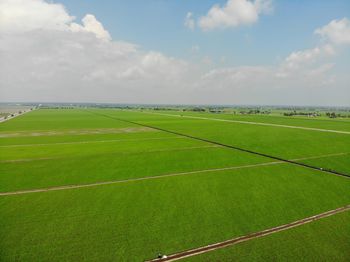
(232, 52)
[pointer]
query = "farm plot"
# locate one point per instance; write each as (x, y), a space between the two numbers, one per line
(119, 166)
(169, 193)
(51, 119)
(286, 143)
(307, 122)
(29, 162)
(139, 219)
(311, 242)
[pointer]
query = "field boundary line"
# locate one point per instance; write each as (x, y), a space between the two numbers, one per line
(146, 151)
(251, 123)
(57, 188)
(75, 132)
(329, 171)
(163, 150)
(259, 234)
(96, 141)
(21, 192)
(319, 156)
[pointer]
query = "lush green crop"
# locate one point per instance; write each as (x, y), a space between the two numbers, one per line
(332, 124)
(323, 240)
(50, 119)
(134, 220)
(281, 142)
(116, 166)
(138, 219)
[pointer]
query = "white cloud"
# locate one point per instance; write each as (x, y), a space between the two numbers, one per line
(321, 70)
(189, 21)
(305, 57)
(263, 6)
(54, 58)
(90, 24)
(234, 13)
(336, 32)
(262, 85)
(29, 15)
(25, 15)
(68, 61)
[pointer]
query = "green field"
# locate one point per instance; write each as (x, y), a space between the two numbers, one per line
(312, 242)
(149, 191)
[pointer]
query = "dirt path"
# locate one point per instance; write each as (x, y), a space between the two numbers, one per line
(117, 152)
(130, 180)
(73, 132)
(253, 123)
(96, 141)
(321, 156)
(14, 115)
(234, 241)
(58, 188)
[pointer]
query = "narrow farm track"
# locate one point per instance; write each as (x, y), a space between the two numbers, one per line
(93, 142)
(15, 115)
(321, 156)
(333, 172)
(145, 151)
(253, 123)
(234, 241)
(58, 188)
(99, 131)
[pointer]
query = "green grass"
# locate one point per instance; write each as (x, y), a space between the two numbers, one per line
(138, 219)
(339, 163)
(135, 220)
(110, 147)
(276, 141)
(310, 242)
(115, 166)
(333, 124)
(51, 119)
(28, 140)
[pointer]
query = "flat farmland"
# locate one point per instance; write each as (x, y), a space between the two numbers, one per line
(122, 185)
(312, 242)
(342, 124)
(298, 144)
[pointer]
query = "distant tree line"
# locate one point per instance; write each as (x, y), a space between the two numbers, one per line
(57, 107)
(162, 108)
(335, 115)
(195, 109)
(295, 113)
(255, 112)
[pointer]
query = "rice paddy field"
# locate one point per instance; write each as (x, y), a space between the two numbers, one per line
(125, 185)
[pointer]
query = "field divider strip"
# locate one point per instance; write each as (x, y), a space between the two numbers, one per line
(74, 132)
(58, 188)
(156, 177)
(38, 190)
(234, 241)
(321, 156)
(253, 123)
(96, 141)
(145, 152)
(333, 172)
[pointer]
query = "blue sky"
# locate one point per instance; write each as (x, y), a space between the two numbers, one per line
(290, 52)
(159, 25)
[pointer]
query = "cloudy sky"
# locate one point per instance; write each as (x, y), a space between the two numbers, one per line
(273, 52)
